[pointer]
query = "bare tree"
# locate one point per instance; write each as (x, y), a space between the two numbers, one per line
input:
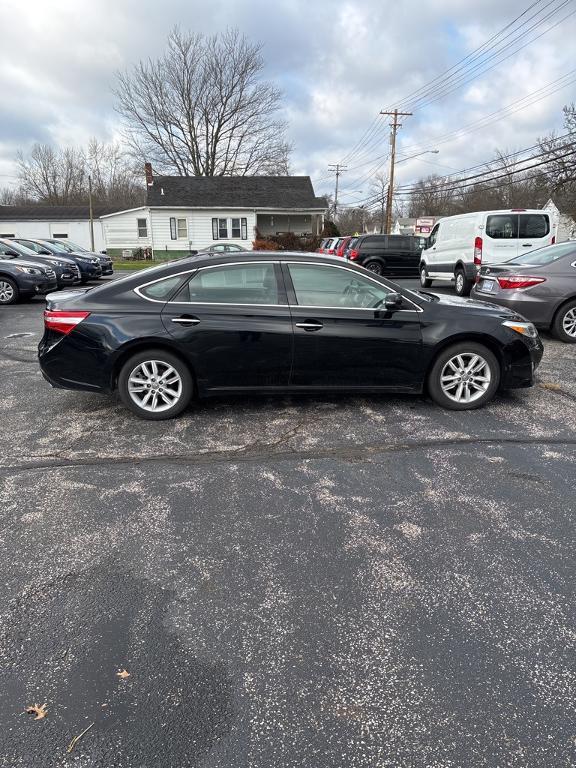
(379, 190)
(115, 179)
(203, 108)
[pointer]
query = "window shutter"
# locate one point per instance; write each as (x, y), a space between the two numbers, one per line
(214, 229)
(244, 223)
(172, 228)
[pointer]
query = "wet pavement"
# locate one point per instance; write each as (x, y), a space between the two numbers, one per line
(365, 582)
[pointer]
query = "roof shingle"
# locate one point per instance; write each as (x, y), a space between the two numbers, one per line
(235, 192)
(53, 212)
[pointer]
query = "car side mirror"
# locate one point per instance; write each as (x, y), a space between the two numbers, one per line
(393, 302)
(44, 253)
(14, 254)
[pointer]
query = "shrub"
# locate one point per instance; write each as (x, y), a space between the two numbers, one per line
(265, 245)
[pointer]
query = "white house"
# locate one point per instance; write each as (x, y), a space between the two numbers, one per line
(564, 225)
(193, 212)
(66, 222)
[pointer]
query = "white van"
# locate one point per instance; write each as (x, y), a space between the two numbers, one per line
(458, 245)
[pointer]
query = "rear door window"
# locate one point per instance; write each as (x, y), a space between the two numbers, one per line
(502, 226)
(534, 225)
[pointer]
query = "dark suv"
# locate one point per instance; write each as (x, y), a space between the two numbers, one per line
(387, 254)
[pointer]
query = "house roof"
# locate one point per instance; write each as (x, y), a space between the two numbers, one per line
(53, 212)
(290, 192)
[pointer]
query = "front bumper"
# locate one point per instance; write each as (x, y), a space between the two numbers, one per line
(524, 357)
(36, 285)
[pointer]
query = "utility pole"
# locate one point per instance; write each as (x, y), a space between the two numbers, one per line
(338, 169)
(390, 197)
(91, 213)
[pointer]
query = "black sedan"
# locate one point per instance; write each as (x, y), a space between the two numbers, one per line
(88, 265)
(540, 285)
(278, 323)
(23, 279)
(66, 246)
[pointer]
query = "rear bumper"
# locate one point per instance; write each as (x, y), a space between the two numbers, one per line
(537, 311)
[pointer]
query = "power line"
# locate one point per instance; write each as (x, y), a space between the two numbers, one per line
(337, 169)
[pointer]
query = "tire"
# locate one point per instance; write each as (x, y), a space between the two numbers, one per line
(9, 293)
(425, 281)
(462, 284)
(564, 324)
(449, 395)
(374, 266)
(134, 395)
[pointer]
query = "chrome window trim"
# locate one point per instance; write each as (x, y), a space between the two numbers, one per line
(138, 289)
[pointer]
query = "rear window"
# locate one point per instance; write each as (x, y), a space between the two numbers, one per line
(502, 226)
(543, 256)
(534, 225)
(161, 290)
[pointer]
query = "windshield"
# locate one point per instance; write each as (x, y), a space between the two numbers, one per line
(70, 247)
(17, 248)
(542, 256)
(52, 246)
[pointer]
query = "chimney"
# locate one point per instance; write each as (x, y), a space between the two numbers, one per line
(148, 172)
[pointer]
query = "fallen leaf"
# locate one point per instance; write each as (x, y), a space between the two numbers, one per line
(40, 712)
(123, 674)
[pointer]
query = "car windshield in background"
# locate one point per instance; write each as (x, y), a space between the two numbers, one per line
(70, 247)
(58, 247)
(547, 255)
(21, 249)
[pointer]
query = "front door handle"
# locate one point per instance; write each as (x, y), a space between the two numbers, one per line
(310, 325)
(526, 245)
(185, 320)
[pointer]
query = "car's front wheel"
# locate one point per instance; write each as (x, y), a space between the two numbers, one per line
(464, 376)
(8, 291)
(155, 385)
(564, 325)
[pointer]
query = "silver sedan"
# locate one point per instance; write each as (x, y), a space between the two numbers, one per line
(540, 285)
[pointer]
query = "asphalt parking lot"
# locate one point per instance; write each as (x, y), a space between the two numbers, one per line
(366, 582)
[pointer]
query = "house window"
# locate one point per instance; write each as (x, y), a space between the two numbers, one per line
(178, 229)
(235, 229)
(7, 235)
(142, 225)
(56, 236)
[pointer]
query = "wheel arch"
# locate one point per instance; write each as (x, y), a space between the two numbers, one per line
(560, 306)
(479, 338)
(141, 345)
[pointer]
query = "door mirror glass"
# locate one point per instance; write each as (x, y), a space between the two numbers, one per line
(393, 301)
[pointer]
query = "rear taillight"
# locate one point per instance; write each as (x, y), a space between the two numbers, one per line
(353, 254)
(330, 251)
(519, 281)
(478, 251)
(63, 321)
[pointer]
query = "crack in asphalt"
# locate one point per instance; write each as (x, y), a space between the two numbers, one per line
(343, 452)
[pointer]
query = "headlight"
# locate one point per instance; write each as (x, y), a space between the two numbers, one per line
(525, 329)
(57, 263)
(30, 270)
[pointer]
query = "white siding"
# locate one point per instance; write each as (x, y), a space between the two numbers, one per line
(121, 230)
(77, 231)
(199, 228)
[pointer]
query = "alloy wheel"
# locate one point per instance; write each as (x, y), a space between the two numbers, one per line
(459, 282)
(375, 267)
(155, 386)
(465, 377)
(568, 322)
(6, 292)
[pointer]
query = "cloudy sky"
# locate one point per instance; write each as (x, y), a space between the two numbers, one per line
(337, 62)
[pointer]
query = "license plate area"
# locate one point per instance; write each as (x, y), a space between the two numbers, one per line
(486, 286)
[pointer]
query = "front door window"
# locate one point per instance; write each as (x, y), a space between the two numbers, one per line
(324, 286)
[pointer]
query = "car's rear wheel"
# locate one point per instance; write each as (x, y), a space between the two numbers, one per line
(374, 266)
(462, 285)
(564, 325)
(155, 385)
(8, 291)
(464, 376)
(425, 281)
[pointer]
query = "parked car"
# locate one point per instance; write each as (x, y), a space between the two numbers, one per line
(540, 285)
(458, 245)
(350, 245)
(89, 266)
(387, 254)
(322, 245)
(67, 272)
(71, 248)
(278, 323)
(341, 247)
(23, 279)
(329, 246)
(222, 248)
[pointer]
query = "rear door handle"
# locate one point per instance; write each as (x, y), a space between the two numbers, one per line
(310, 325)
(184, 320)
(526, 245)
